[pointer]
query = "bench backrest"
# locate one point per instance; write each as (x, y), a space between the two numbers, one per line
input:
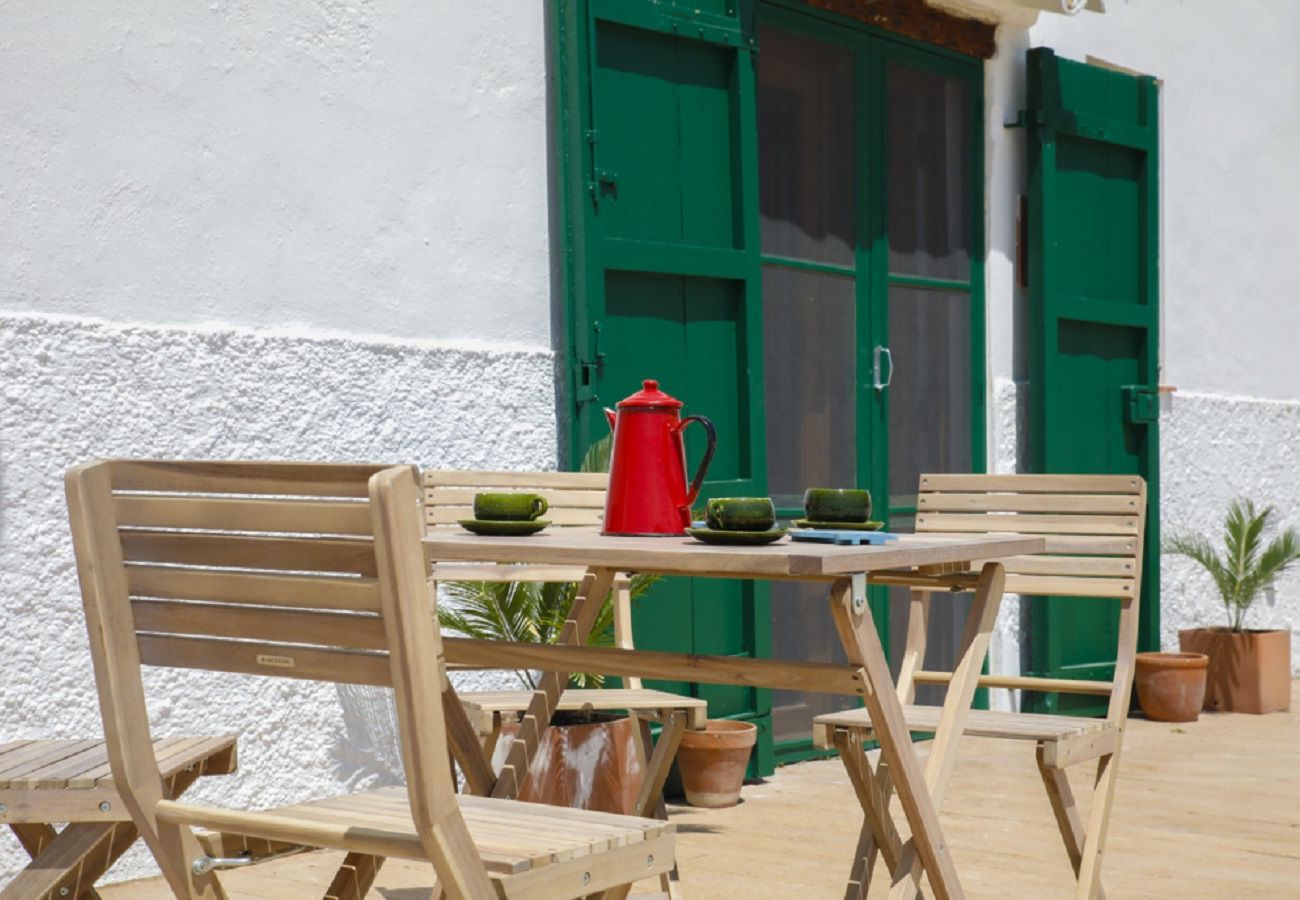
(1094, 527)
(305, 571)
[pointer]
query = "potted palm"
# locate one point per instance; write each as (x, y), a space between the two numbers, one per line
(1249, 669)
(589, 759)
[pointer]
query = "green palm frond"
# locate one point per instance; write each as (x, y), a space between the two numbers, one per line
(1245, 569)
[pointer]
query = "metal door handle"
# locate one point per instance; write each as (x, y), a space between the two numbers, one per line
(875, 368)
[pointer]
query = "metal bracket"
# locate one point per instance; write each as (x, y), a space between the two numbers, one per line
(859, 592)
(1141, 404)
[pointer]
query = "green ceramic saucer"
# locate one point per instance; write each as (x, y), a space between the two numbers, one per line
(736, 538)
(504, 527)
(843, 526)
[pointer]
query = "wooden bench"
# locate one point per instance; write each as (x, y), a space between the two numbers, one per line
(47, 781)
(1094, 526)
(310, 571)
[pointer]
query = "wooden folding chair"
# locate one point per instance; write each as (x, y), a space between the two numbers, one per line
(313, 572)
(575, 499)
(1094, 526)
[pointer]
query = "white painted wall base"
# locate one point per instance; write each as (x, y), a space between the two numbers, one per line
(75, 389)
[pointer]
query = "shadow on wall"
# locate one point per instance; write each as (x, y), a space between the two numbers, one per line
(367, 753)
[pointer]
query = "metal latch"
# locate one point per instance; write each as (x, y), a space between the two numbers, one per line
(204, 864)
(1141, 404)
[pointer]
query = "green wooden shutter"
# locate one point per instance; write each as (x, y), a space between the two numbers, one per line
(661, 191)
(1094, 243)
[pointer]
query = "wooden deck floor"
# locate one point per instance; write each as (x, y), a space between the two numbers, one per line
(1210, 809)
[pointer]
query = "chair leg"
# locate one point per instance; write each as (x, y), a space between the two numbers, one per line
(354, 877)
(1094, 841)
(1066, 811)
(878, 836)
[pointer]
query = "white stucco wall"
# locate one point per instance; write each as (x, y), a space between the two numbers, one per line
(376, 167)
(238, 230)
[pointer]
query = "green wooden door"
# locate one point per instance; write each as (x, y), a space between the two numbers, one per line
(667, 274)
(1093, 211)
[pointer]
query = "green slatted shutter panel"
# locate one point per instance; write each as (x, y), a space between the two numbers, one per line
(1094, 243)
(667, 277)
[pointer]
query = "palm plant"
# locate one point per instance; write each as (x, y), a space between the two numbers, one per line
(533, 612)
(1246, 567)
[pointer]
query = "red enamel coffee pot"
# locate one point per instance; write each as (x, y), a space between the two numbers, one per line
(648, 494)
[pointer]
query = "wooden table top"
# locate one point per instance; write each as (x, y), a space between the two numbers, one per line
(685, 555)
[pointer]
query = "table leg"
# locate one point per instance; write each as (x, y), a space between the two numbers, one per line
(858, 634)
(582, 615)
(956, 708)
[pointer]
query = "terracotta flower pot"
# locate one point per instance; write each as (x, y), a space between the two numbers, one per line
(1171, 686)
(587, 765)
(1250, 671)
(713, 761)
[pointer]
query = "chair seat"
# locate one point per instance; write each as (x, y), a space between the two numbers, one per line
(1039, 727)
(603, 699)
(83, 764)
(512, 837)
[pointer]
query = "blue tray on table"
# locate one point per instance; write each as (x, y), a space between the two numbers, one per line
(841, 536)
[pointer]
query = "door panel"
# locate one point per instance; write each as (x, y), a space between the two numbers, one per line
(929, 173)
(930, 397)
(809, 346)
(808, 150)
(1093, 213)
(665, 141)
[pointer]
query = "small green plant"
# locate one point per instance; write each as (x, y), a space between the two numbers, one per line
(533, 612)
(1246, 566)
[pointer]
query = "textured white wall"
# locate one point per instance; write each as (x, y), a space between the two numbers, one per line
(73, 389)
(375, 167)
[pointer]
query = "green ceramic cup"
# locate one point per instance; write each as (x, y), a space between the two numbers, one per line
(509, 507)
(848, 505)
(740, 514)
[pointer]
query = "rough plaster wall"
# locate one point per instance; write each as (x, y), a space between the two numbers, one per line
(72, 390)
(1214, 448)
(372, 166)
(1008, 649)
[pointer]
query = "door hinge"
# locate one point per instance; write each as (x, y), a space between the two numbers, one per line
(1141, 404)
(588, 372)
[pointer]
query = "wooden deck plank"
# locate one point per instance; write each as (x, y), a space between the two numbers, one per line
(1203, 810)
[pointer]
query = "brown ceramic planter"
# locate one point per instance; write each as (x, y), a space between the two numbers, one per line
(593, 765)
(1250, 671)
(712, 762)
(1171, 686)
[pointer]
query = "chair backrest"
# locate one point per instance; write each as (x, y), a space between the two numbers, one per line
(1093, 526)
(575, 498)
(274, 569)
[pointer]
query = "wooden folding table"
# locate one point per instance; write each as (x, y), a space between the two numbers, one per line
(938, 561)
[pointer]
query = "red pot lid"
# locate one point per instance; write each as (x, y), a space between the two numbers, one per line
(650, 397)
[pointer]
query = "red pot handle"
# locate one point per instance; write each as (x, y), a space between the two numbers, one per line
(711, 434)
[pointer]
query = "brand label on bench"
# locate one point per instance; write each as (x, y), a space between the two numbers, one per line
(281, 662)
